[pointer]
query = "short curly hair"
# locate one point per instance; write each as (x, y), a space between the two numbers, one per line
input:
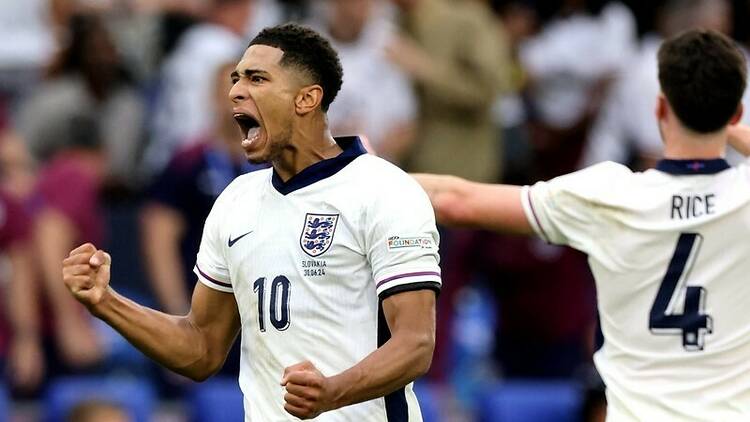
(703, 75)
(308, 51)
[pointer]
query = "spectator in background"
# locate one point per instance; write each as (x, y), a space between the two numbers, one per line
(181, 197)
(67, 212)
(625, 131)
(17, 167)
(28, 45)
(268, 13)
(87, 79)
(517, 21)
(21, 357)
(20, 344)
(570, 64)
(452, 52)
(183, 110)
(360, 30)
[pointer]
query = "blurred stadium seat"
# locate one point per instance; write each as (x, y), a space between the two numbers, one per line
(218, 399)
(531, 401)
(429, 401)
(4, 405)
(135, 396)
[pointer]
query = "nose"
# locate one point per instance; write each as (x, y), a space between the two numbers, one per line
(237, 93)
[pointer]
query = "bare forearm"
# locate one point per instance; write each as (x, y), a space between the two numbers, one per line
(462, 203)
(395, 364)
(446, 194)
(172, 341)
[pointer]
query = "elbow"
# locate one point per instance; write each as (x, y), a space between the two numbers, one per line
(202, 372)
(198, 376)
(204, 365)
(424, 347)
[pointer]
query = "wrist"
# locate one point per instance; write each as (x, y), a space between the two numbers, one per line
(341, 386)
(101, 308)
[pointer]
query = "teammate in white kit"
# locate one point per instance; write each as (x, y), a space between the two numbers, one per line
(668, 247)
(327, 262)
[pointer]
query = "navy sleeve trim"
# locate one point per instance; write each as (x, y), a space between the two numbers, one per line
(426, 285)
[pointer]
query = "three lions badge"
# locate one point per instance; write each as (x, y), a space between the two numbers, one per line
(317, 234)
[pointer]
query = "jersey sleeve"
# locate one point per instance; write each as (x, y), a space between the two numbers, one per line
(403, 241)
(566, 209)
(211, 264)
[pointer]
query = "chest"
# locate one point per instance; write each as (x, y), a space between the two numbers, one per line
(313, 242)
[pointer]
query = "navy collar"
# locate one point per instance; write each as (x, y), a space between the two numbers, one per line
(692, 167)
(352, 147)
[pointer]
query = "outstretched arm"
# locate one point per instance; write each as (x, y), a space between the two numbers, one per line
(194, 345)
(739, 138)
(403, 358)
(459, 202)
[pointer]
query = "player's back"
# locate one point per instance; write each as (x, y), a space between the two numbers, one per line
(667, 248)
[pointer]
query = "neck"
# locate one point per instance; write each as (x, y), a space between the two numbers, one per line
(683, 144)
(311, 142)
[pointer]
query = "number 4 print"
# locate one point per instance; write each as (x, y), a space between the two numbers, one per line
(692, 323)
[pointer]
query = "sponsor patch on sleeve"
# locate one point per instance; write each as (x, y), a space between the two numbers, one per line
(419, 242)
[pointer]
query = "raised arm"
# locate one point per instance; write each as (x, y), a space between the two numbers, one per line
(194, 345)
(462, 203)
(400, 360)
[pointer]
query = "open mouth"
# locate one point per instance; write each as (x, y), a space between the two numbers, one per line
(249, 126)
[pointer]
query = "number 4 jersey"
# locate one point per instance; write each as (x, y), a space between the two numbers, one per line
(670, 254)
(309, 260)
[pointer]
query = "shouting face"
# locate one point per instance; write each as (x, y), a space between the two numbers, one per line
(263, 96)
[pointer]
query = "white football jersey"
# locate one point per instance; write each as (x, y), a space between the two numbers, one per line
(309, 261)
(670, 254)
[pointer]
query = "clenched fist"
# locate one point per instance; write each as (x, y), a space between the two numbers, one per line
(308, 392)
(86, 273)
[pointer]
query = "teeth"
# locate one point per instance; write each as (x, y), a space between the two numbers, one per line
(252, 136)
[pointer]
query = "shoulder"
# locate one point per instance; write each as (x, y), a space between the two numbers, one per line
(600, 174)
(385, 189)
(383, 177)
(599, 181)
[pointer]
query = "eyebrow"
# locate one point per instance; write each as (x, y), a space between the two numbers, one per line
(248, 73)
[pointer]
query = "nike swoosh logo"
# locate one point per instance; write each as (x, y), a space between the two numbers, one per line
(233, 241)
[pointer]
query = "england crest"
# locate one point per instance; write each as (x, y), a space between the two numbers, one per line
(317, 235)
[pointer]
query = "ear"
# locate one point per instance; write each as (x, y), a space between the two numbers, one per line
(308, 99)
(662, 108)
(737, 115)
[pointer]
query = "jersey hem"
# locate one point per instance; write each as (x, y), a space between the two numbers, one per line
(211, 282)
(531, 215)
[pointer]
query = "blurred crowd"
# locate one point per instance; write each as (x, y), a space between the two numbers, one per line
(115, 128)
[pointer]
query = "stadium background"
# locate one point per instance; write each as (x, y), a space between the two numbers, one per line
(111, 131)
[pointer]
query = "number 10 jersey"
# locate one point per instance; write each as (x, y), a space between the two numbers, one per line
(670, 254)
(309, 260)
